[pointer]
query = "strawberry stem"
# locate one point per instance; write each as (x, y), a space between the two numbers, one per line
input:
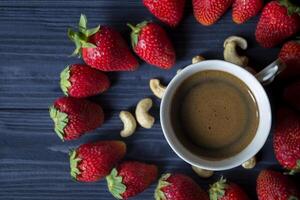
(217, 190)
(60, 120)
(136, 32)
(64, 80)
(115, 185)
(133, 28)
(81, 37)
(73, 164)
(159, 194)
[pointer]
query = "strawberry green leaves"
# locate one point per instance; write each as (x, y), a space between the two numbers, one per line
(82, 26)
(136, 32)
(81, 38)
(64, 80)
(60, 120)
(115, 185)
(73, 164)
(291, 8)
(217, 190)
(159, 195)
(296, 169)
(82, 23)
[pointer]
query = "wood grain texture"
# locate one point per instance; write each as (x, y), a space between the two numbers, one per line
(34, 49)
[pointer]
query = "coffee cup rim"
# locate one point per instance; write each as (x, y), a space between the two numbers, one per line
(264, 108)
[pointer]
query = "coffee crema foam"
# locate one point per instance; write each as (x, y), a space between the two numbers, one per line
(214, 114)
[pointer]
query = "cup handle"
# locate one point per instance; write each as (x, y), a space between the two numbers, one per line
(267, 75)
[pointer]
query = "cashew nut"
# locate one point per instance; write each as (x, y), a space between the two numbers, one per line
(142, 115)
(230, 50)
(157, 88)
(249, 164)
(202, 172)
(129, 123)
(197, 59)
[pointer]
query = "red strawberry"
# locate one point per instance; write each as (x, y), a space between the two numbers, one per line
(286, 141)
(151, 43)
(102, 48)
(221, 190)
(92, 161)
(243, 10)
(292, 95)
(168, 11)
(290, 55)
(271, 185)
(130, 179)
(279, 20)
(82, 81)
(179, 187)
(207, 12)
(73, 117)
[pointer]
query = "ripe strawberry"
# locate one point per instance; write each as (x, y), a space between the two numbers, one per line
(168, 11)
(102, 48)
(178, 187)
(292, 95)
(286, 141)
(92, 161)
(243, 10)
(272, 185)
(151, 43)
(290, 55)
(279, 20)
(73, 117)
(207, 12)
(221, 190)
(130, 178)
(80, 81)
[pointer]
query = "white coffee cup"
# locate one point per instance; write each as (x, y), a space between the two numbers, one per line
(254, 82)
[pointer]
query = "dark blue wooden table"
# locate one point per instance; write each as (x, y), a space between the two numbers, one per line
(34, 48)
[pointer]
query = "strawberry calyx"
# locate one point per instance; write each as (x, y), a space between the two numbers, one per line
(217, 190)
(60, 120)
(293, 198)
(74, 160)
(81, 37)
(159, 194)
(291, 8)
(136, 32)
(64, 80)
(115, 185)
(296, 169)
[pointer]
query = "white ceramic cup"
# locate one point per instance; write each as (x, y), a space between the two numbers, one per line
(254, 82)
